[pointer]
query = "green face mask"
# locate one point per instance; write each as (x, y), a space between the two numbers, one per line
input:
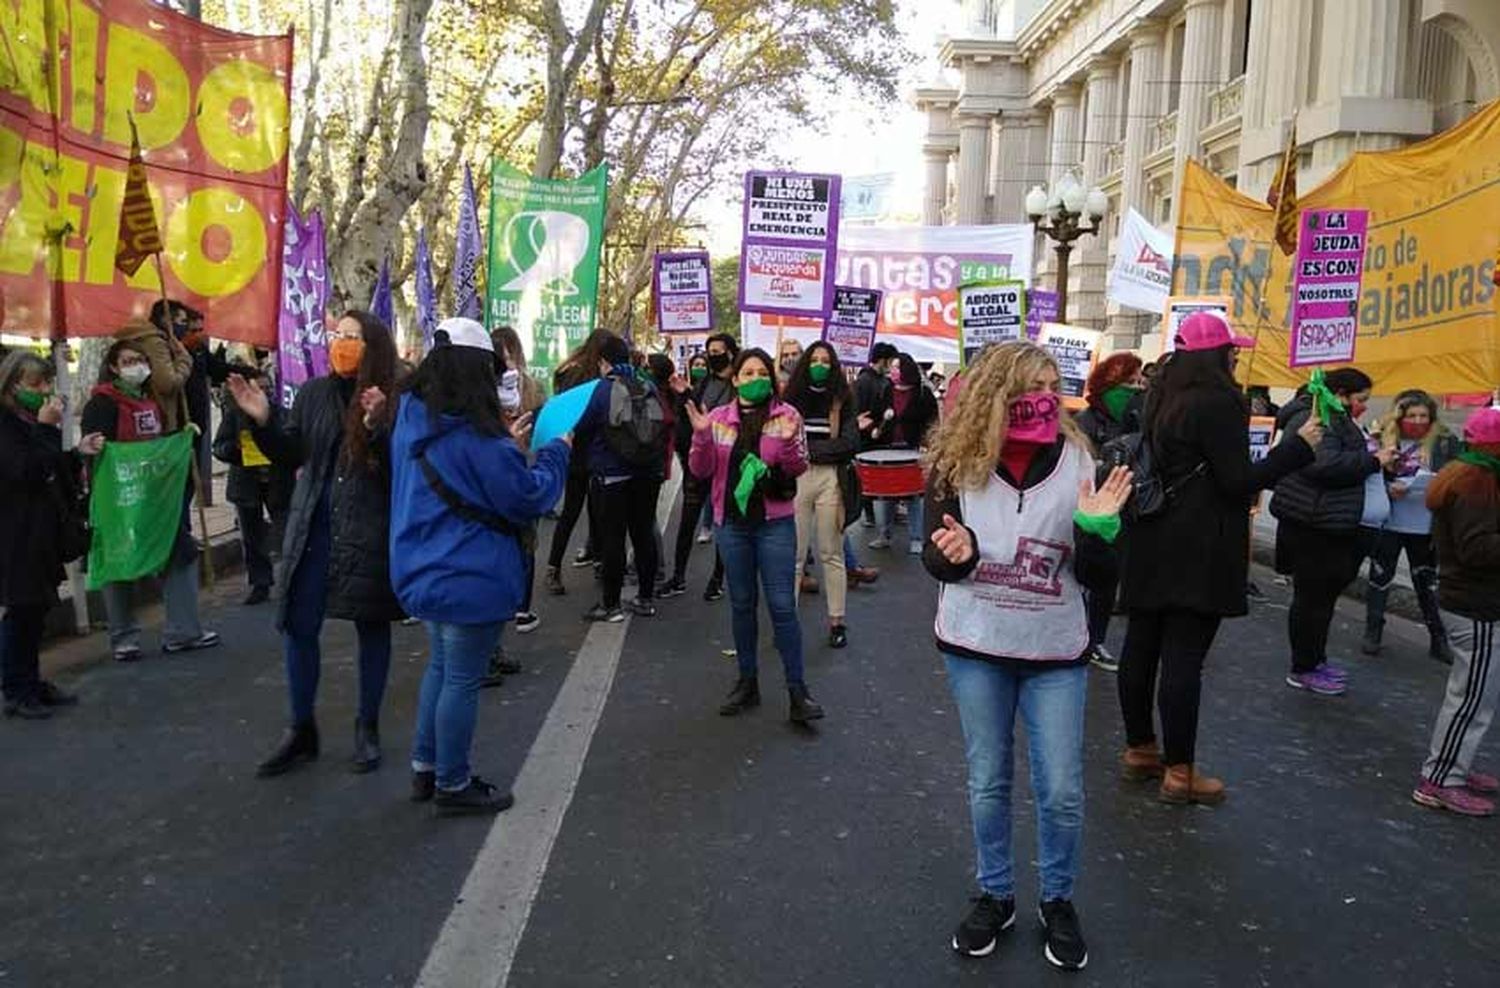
(1116, 399)
(698, 373)
(32, 401)
(756, 391)
(818, 373)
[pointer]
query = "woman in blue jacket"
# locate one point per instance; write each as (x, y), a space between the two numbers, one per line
(461, 493)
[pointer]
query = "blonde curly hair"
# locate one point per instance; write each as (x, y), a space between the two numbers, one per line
(966, 446)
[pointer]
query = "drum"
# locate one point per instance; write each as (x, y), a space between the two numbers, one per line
(890, 473)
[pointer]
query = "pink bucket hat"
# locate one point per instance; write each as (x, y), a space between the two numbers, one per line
(1208, 331)
(1483, 427)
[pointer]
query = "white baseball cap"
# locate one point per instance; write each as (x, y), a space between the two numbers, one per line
(459, 331)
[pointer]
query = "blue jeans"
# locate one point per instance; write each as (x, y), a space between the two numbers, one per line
(1050, 701)
(850, 560)
(306, 603)
(885, 516)
(449, 701)
(767, 551)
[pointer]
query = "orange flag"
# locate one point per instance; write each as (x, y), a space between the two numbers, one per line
(1282, 196)
(139, 235)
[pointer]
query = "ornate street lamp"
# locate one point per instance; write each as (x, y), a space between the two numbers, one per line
(1060, 214)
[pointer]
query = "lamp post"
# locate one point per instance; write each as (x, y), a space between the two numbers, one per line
(1060, 214)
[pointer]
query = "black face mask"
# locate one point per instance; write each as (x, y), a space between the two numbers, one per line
(717, 362)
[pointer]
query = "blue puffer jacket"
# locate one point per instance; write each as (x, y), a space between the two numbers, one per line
(445, 568)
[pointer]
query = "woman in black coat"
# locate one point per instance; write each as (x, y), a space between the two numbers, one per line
(335, 556)
(37, 479)
(257, 489)
(1184, 568)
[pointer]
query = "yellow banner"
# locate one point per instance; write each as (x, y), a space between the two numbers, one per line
(1428, 306)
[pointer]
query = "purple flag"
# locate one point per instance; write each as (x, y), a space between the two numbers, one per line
(302, 341)
(468, 250)
(1041, 306)
(427, 316)
(382, 305)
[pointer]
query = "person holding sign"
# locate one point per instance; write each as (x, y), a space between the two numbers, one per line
(1015, 528)
(1184, 566)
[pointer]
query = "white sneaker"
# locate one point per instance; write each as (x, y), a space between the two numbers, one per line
(915, 548)
(527, 622)
(880, 542)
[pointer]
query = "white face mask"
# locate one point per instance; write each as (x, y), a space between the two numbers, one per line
(135, 375)
(510, 390)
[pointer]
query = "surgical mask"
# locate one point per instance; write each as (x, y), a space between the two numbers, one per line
(818, 373)
(1033, 417)
(697, 373)
(717, 362)
(509, 390)
(756, 391)
(344, 355)
(32, 401)
(135, 374)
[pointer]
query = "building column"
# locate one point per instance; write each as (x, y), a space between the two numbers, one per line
(973, 167)
(1202, 71)
(1364, 54)
(1144, 103)
(1065, 154)
(936, 198)
(1258, 69)
(1091, 261)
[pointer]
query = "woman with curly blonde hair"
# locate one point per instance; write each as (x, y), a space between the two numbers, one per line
(1015, 529)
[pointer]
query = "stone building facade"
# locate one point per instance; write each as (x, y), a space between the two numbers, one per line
(1123, 92)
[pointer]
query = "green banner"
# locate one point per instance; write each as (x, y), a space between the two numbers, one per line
(136, 507)
(545, 240)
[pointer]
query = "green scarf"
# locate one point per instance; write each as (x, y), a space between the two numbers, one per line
(1115, 399)
(1325, 403)
(126, 388)
(1475, 458)
(752, 468)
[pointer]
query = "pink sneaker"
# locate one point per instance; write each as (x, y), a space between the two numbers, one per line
(1317, 682)
(1481, 783)
(1454, 799)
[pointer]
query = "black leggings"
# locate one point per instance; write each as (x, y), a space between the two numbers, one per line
(575, 498)
(627, 508)
(1384, 549)
(695, 494)
(1176, 642)
(20, 650)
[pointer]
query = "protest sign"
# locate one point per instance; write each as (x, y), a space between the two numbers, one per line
(790, 236)
(1041, 307)
(989, 312)
(1326, 284)
(683, 290)
(1076, 351)
(1262, 428)
(852, 324)
(681, 347)
(302, 337)
(213, 113)
(1142, 275)
(545, 238)
(1179, 308)
(133, 481)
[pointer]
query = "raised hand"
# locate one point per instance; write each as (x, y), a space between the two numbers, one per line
(696, 416)
(954, 541)
(91, 444)
(249, 399)
(1110, 497)
(51, 412)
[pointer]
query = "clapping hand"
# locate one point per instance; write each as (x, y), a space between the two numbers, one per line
(954, 541)
(249, 399)
(1109, 498)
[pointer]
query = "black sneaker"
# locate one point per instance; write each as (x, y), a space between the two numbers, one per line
(838, 636)
(257, 595)
(583, 559)
(127, 653)
(980, 931)
(604, 615)
(502, 663)
(713, 592)
(1065, 947)
(554, 582)
(671, 588)
(30, 708)
(51, 695)
(527, 622)
(476, 797)
(641, 607)
(423, 785)
(206, 640)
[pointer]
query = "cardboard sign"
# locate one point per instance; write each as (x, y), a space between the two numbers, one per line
(1326, 284)
(989, 312)
(1076, 351)
(1262, 428)
(1180, 307)
(852, 324)
(684, 292)
(789, 243)
(1041, 307)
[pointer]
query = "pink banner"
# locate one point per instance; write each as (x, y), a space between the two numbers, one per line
(1326, 285)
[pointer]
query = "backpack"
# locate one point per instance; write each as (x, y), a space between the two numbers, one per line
(1150, 494)
(637, 426)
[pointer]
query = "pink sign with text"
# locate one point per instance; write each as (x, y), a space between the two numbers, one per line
(1326, 285)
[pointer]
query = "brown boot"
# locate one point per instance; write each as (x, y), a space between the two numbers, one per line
(1183, 785)
(1142, 762)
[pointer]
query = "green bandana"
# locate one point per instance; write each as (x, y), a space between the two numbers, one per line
(752, 468)
(755, 391)
(125, 387)
(1475, 458)
(1325, 403)
(1115, 399)
(818, 373)
(32, 401)
(1107, 527)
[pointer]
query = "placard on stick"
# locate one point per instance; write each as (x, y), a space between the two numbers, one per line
(989, 312)
(852, 324)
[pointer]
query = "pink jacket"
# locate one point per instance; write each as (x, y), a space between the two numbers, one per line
(709, 455)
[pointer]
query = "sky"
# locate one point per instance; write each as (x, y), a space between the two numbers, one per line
(862, 139)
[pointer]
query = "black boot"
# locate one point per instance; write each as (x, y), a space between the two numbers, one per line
(746, 694)
(1441, 649)
(804, 707)
(366, 747)
(1371, 644)
(554, 582)
(299, 744)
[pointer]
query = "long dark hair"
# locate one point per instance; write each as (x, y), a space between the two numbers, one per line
(377, 369)
(584, 361)
(800, 382)
(1181, 380)
(750, 431)
(456, 380)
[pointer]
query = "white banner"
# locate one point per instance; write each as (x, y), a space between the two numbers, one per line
(1142, 276)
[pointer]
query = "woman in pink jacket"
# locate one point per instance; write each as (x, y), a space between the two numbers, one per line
(753, 451)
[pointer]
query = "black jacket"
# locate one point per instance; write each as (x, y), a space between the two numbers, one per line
(1329, 493)
(1194, 556)
(1097, 424)
(872, 394)
(1466, 534)
(248, 486)
(308, 439)
(920, 415)
(35, 478)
